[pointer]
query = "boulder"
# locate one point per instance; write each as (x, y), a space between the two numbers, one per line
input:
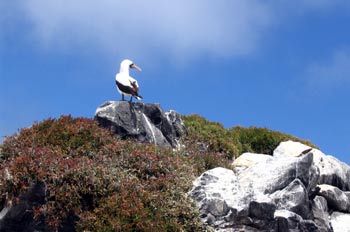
(340, 222)
(275, 193)
(291, 148)
(275, 174)
(337, 199)
(144, 122)
(248, 159)
(287, 220)
(251, 197)
(332, 171)
(320, 213)
(20, 217)
(294, 198)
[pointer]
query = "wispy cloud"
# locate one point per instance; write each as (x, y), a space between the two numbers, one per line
(191, 28)
(330, 74)
(226, 28)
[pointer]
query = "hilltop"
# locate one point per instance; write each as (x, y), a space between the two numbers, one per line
(71, 174)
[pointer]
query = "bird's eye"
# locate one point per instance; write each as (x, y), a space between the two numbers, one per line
(131, 65)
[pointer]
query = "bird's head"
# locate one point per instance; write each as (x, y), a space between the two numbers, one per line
(126, 64)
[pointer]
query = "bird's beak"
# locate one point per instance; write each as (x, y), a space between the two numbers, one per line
(134, 66)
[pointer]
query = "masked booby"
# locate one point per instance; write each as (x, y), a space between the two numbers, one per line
(126, 85)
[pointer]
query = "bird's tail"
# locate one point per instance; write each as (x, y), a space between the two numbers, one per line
(138, 97)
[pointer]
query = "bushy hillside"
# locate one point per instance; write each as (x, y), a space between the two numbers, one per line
(101, 183)
(237, 140)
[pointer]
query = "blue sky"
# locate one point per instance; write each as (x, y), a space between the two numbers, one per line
(284, 65)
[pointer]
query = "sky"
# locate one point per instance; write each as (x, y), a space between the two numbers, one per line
(283, 65)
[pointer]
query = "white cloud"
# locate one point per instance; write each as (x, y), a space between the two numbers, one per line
(330, 74)
(179, 28)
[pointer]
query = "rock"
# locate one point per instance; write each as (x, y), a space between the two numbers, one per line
(252, 201)
(290, 148)
(294, 198)
(215, 206)
(276, 193)
(340, 222)
(208, 184)
(337, 199)
(262, 210)
(144, 122)
(277, 173)
(332, 171)
(239, 228)
(175, 120)
(20, 216)
(320, 213)
(248, 159)
(308, 226)
(287, 220)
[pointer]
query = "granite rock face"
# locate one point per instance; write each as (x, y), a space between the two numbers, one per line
(283, 192)
(144, 122)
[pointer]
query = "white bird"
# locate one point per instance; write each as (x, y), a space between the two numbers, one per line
(126, 85)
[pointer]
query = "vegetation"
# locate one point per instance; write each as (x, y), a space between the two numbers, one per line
(111, 185)
(237, 140)
(115, 185)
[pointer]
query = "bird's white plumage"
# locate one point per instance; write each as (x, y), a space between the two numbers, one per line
(124, 78)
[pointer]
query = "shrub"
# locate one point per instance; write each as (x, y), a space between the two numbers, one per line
(235, 141)
(214, 135)
(261, 140)
(108, 184)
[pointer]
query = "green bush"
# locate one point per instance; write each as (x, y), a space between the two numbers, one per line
(109, 184)
(214, 135)
(235, 141)
(261, 140)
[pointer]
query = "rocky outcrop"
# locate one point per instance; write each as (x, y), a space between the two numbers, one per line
(296, 189)
(144, 122)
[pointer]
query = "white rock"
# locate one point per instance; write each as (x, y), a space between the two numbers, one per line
(273, 190)
(290, 148)
(217, 183)
(340, 222)
(332, 171)
(337, 199)
(276, 174)
(248, 159)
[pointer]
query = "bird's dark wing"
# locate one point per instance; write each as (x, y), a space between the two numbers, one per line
(132, 90)
(134, 86)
